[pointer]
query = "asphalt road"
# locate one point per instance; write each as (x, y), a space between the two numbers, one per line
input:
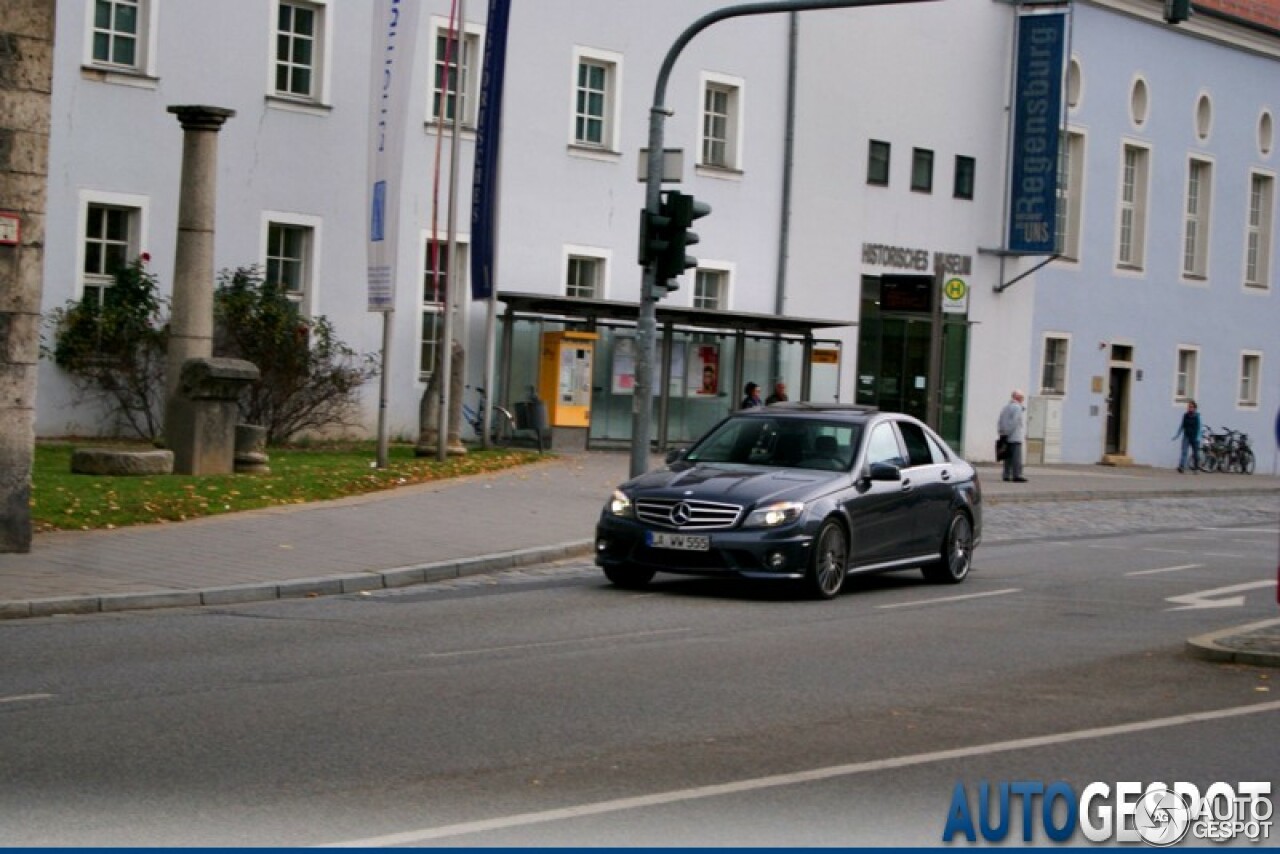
(544, 707)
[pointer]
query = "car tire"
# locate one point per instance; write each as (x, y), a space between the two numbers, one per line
(629, 577)
(957, 552)
(829, 561)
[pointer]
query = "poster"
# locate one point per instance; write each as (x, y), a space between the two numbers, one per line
(704, 371)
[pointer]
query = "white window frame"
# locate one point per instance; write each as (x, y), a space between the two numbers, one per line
(1063, 370)
(1133, 197)
(308, 298)
(1249, 388)
(472, 42)
(321, 54)
(1071, 191)
(602, 257)
(434, 309)
(612, 112)
(142, 71)
(732, 119)
(724, 271)
(1186, 382)
(1197, 219)
(1259, 231)
(140, 206)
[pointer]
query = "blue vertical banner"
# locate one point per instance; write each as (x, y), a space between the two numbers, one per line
(484, 186)
(1037, 127)
(395, 37)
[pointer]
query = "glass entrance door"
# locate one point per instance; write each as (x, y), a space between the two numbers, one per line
(904, 366)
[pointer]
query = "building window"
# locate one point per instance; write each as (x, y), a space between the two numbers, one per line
(435, 285)
(1133, 207)
(288, 261)
(721, 121)
(711, 289)
(965, 168)
(1250, 375)
(1195, 244)
(584, 276)
(922, 170)
(453, 77)
(1053, 374)
(299, 43)
(1257, 268)
(118, 33)
(1070, 194)
(595, 100)
(878, 163)
(1185, 380)
(110, 241)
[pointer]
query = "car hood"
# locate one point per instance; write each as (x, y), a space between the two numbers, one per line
(738, 484)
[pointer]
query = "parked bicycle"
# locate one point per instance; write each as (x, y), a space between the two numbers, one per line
(1239, 453)
(502, 424)
(1213, 451)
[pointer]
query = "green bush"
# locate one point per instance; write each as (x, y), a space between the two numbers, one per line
(115, 349)
(310, 380)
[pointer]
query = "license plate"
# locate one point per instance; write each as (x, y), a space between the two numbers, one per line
(679, 542)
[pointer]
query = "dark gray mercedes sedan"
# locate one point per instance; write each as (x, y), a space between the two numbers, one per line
(798, 491)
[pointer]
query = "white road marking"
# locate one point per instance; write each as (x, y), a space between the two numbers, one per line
(1166, 569)
(1244, 530)
(1223, 554)
(26, 698)
(1165, 551)
(953, 598)
(570, 642)
(1204, 598)
(798, 778)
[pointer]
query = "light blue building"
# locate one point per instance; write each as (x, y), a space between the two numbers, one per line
(1166, 288)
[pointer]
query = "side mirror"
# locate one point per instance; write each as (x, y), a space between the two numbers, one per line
(675, 455)
(885, 472)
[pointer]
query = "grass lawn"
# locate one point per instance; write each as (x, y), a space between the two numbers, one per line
(61, 500)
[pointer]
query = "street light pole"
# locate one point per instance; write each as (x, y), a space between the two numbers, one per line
(646, 324)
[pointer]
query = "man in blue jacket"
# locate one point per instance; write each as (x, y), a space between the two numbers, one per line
(1189, 430)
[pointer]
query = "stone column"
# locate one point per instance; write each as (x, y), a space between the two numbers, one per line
(26, 82)
(191, 314)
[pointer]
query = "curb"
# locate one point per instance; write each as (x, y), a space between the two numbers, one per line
(297, 588)
(1255, 643)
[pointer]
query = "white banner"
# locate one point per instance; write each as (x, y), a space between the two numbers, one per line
(395, 38)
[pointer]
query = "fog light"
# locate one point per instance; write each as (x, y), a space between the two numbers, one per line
(776, 560)
(602, 545)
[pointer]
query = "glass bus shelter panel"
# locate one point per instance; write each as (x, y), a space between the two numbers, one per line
(824, 373)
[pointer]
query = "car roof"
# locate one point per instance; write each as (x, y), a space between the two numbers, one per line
(843, 411)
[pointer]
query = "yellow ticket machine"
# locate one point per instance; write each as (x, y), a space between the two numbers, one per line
(564, 378)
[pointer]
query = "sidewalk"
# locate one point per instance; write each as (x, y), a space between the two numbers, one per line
(485, 523)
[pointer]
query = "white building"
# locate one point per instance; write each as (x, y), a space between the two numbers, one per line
(842, 151)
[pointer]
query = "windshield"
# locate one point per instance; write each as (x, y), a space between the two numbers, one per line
(782, 442)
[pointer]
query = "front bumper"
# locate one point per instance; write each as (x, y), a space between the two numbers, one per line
(751, 553)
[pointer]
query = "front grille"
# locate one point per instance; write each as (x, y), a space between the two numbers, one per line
(684, 515)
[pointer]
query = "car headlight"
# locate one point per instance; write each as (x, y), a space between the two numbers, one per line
(773, 515)
(620, 504)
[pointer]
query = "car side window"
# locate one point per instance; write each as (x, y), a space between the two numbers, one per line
(940, 455)
(882, 446)
(918, 451)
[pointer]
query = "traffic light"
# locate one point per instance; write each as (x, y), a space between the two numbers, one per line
(1177, 11)
(664, 236)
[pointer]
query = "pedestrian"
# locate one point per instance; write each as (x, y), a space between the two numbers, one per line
(751, 397)
(779, 393)
(1189, 430)
(1012, 428)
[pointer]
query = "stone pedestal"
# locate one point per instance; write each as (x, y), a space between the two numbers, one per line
(251, 450)
(200, 419)
(428, 443)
